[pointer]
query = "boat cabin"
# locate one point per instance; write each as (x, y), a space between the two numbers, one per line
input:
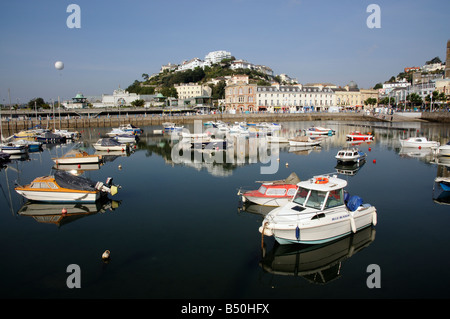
(320, 193)
(348, 153)
(279, 190)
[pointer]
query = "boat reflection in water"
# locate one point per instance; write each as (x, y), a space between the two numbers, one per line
(317, 264)
(64, 213)
(254, 208)
(349, 168)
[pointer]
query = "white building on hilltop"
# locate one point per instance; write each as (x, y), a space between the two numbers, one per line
(216, 56)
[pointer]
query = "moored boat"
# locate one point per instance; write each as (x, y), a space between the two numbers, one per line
(131, 128)
(350, 155)
(12, 148)
(272, 193)
(318, 213)
(65, 187)
(421, 142)
(317, 130)
(77, 156)
(358, 136)
(126, 138)
(32, 146)
(444, 150)
(49, 137)
(109, 144)
(303, 141)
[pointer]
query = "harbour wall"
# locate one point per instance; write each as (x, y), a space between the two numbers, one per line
(17, 124)
(12, 125)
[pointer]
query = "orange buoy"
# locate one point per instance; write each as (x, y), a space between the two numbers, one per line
(370, 149)
(374, 161)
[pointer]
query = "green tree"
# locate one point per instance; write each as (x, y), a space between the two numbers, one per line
(370, 101)
(39, 102)
(138, 103)
(378, 86)
(414, 99)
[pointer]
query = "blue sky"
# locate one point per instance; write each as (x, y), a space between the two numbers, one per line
(313, 41)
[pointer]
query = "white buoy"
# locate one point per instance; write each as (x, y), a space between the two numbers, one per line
(120, 166)
(106, 254)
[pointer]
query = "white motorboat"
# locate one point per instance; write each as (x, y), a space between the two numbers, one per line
(12, 148)
(421, 142)
(303, 141)
(126, 138)
(350, 155)
(130, 128)
(117, 131)
(318, 213)
(77, 156)
(65, 187)
(444, 150)
(110, 144)
(317, 130)
(32, 146)
(67, 134)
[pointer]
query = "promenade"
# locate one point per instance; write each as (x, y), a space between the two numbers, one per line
(23, 122)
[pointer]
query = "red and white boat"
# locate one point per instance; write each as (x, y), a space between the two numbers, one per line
(358, 136)
(272, 193)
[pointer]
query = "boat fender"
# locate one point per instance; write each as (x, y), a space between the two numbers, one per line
(106, 255)
(321, 180)
(297, 232)
(352, 224)
(374, 218)
(113, 190)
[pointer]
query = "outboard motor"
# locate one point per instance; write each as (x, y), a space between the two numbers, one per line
(109, 181)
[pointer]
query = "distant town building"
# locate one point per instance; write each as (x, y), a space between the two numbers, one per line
(399, 84)
(294, 98)
(190, 65)
(78, 102)
(119, 98)
(447, 62)
(169, 67)
(443, 86)
(190, 90)
(240, 96)
(414, 68)
(349, 96)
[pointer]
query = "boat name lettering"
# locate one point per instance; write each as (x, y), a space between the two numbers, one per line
(340, 217)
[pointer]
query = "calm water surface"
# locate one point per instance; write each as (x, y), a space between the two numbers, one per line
(177, 230)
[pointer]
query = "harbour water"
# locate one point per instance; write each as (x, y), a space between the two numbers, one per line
(177, 230)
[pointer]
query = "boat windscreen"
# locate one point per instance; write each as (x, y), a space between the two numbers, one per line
(67, 180)
(109, 142)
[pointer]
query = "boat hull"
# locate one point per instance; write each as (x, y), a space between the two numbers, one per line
(267, 201)
(359, 137)
(297, 143)
(321, 230)
(14, 150)
(59, 196)
(109, 148)
(79, 160)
